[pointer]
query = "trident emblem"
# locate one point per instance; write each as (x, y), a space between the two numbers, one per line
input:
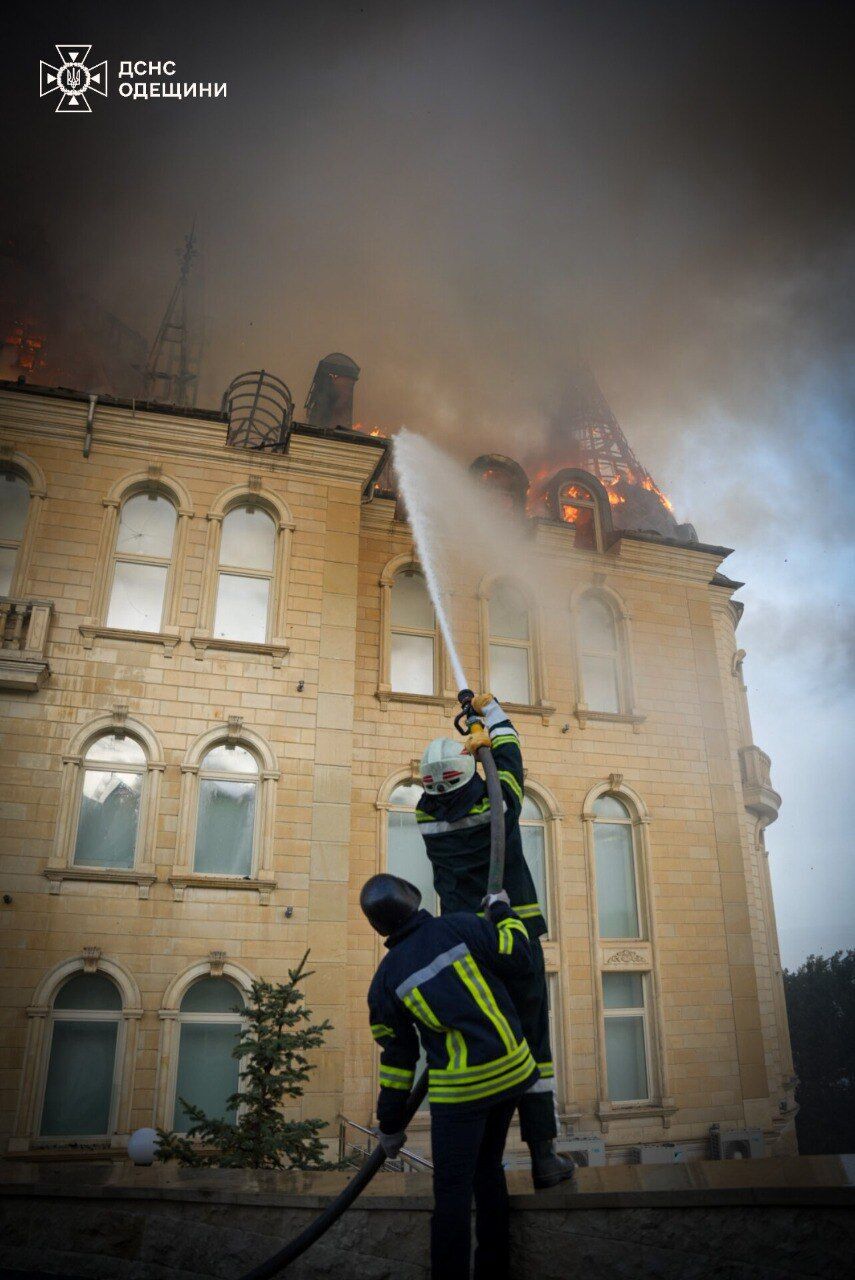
(73, 79)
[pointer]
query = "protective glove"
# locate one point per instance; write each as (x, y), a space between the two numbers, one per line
(390, 1142)
(480, 701)
(501, 896)
(476, 738)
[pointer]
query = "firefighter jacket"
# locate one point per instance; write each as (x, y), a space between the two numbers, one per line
(442, 977)
(456, 832)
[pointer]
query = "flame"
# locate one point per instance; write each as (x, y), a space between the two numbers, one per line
(373, 431)
(648, 484)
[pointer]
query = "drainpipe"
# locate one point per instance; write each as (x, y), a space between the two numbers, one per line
(90, 418)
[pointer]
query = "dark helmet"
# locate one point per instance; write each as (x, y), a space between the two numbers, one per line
(389, 902)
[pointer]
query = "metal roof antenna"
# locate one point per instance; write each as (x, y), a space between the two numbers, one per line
(171, 374)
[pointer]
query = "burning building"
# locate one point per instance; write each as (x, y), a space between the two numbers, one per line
(218, 612)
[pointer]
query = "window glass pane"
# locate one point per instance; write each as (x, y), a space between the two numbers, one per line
(88, 991)
(626, 1060)
(119, 750)
(623, 990)
(109, 813)
(406, 797)
(136, 601)
(147, 526)
(207, 1073)
(79, 1079)
(411, 604)
(225, 759)
(212, 995)
(610, 807)
(600, 684)
(225, 827)
(242, 608)
(248, 539)
(407, 857)
(534, 852)
(509, 675)
(531, 809)
(616, 898)
(508, 614)
(412, 664)
(596, 625)
(8, 556)
(14, 504)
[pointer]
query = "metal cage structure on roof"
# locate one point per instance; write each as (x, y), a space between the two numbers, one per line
(260, 410)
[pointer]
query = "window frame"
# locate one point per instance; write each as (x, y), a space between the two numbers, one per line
(128, 557)
(628, 711)
(200, 1019)
(251, 494)
(635, 955)
(215, 775)
(261, 880)
(638, 1012)
(442, 678)
(78, 1015)
(95, 625)
(217, 965)
(539, 704)
(33, 1079)
(28, 470)
(641, 913)
(87, 766)
(61, 865)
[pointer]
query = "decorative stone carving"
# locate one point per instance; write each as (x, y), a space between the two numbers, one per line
(91, 956)
(218, 960)
(120, 714)
(235, 728)
(626, 956)
(616, 781)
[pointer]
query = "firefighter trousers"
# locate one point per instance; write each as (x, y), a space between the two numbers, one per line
(467, 1148)
(529, 994)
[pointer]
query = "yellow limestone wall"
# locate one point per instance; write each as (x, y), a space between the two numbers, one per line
(722, 1044)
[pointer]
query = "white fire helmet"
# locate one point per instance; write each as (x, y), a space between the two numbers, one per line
(445, 766)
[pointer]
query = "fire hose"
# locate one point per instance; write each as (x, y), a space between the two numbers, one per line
(294, 1248)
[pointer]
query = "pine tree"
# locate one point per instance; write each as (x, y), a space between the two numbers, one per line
(274, 1044)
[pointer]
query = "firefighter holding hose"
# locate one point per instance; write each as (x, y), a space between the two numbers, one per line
(453, 815)
(447, 978)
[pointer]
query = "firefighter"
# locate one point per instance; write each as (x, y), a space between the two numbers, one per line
(453, 815)
(445, 978)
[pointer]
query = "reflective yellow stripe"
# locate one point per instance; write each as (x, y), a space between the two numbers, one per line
(455, 1045)
(481, 806)
(421, 816)
(497, 1085)
(472, 978)
(546, 1069)
(527, 910)
(443, 1076)
(379, 1030)
(396, 1078)
(503, 738)
(506, 929)
(508, 777)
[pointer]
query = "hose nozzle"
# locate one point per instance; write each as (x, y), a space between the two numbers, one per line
(464, 717)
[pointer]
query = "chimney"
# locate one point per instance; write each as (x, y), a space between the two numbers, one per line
(330, 399)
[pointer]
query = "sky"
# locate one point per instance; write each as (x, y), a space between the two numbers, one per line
(464, 197)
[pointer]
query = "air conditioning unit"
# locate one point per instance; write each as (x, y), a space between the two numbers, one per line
(587, 1149)
(736, 1144)
(658, 1153)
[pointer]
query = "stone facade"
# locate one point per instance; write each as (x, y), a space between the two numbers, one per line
(314, 705)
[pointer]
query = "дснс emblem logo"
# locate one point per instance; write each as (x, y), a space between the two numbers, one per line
(73, 78)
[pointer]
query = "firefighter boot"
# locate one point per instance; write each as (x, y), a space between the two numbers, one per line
(548, 1168)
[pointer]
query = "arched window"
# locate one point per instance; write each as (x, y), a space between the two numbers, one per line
(405, 853)
(14, 509)
(207, 1073)
(79, 1093)
(599, 655)
(616, 871)
(413, 635)
(510, 651)
(108, 823)
(227, 811)
(141, 561)
(244, 579)
(579, 508)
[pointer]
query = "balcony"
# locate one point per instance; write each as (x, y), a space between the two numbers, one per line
(761, 798)
(23, 643)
